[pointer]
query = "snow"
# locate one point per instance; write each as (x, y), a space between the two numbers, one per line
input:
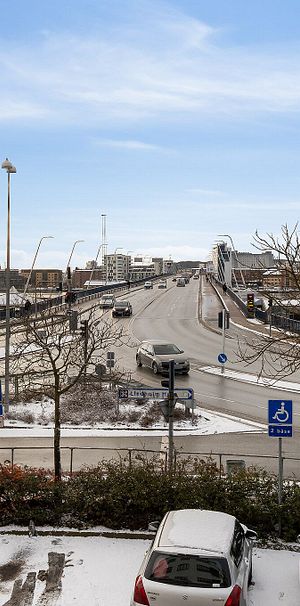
(199, 529)
(42, 413)
(248, 378)
(100, 571)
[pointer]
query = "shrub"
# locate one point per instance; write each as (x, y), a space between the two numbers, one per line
(128, 494)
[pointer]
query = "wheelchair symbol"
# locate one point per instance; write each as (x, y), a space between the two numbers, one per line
(281, 414)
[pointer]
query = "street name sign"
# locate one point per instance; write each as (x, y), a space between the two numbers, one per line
(155, 394)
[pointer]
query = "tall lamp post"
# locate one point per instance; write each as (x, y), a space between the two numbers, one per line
(69, 259)
(10, 169)
(33, 263)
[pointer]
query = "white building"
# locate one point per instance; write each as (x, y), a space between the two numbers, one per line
(117, 267)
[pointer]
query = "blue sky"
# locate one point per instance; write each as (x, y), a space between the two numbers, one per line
(178, 120)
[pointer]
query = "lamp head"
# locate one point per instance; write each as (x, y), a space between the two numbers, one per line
(8, 166)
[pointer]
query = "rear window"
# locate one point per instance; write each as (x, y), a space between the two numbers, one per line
(188, 570)
(166, 349)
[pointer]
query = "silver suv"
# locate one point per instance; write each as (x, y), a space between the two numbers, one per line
(201, 556)
(157, 355)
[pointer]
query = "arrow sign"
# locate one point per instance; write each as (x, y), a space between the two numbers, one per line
(222, 358)
(155, 394)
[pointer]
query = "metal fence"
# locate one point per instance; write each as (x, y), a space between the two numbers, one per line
(75, 458)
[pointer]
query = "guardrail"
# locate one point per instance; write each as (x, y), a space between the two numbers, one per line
(226, 461)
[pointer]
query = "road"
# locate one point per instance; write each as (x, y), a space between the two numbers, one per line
(173, 314)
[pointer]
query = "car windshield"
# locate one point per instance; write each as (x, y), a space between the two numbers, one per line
(166, 349)
(188, 570)
(121, 304)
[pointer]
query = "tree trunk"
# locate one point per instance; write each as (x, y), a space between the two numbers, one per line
(57, 460)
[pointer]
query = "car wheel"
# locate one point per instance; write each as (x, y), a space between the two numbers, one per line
(155, 368)
(186, 372)
(138, 362)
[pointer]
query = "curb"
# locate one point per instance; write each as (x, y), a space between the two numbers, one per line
(83, 533)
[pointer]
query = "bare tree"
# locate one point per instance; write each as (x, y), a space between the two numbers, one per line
(278, 352)
(55, 359)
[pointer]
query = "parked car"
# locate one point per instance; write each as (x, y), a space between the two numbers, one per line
(148, 285)
(157, 354)
(196, 277)
(121, 308)
(201, 556)
(162, 284)
(180, 282)
(107, 301)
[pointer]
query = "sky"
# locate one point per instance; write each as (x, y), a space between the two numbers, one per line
(179, 120)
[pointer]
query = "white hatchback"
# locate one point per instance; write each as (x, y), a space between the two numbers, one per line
(198, 557)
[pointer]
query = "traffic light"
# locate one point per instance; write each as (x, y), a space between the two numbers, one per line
(224, 314)
(70, 297)
(250, 301)
(84, 329)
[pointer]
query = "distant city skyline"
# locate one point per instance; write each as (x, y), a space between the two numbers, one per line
(178, 119)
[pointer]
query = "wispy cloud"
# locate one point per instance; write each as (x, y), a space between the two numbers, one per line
(130, 145)
(206, 192)
(116, 76)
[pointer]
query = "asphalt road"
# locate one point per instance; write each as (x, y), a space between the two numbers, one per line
(173, 314)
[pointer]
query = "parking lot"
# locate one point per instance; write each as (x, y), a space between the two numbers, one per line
(100, 572)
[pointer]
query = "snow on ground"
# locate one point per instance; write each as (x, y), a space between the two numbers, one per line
(248, 378)
(206, 422)
(100, 571)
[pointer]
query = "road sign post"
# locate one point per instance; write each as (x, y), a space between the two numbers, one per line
(223, 322)
(1, 408)
(171, 413)
(280, 425)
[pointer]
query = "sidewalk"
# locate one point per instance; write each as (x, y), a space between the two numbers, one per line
(213, 301)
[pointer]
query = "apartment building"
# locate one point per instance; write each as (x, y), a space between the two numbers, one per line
(43, 278)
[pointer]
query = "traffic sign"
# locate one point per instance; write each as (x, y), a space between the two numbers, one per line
(280, 418)
(280, 432)
(222, 358)
(155, 394)
(1, 416)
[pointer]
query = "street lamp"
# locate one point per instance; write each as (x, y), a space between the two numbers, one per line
(10, 169)
(118, 248)
(236, 257)
(71, 254)
(33, 263)
(70, 257)
(94, 266)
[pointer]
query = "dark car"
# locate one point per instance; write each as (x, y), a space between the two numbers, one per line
(121, 308)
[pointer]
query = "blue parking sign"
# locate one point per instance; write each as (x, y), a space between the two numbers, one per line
(281, 418)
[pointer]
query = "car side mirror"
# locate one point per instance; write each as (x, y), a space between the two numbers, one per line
(251, 534)
(153, 526)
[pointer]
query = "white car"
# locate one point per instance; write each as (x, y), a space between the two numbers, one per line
(107, 301)
(162, 284)
(199, 557)
(148, 285)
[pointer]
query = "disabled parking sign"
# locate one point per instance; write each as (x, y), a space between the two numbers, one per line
(281, 418)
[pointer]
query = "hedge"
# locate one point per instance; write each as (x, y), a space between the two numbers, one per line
(118, 495)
